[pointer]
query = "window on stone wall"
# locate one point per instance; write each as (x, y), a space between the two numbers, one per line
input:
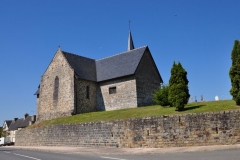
(87, 92)
(112, 90)
(56, 88)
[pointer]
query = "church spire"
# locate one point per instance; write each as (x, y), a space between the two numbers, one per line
(130, 42)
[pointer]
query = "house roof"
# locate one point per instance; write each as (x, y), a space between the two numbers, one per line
(20, 123)
(15, 124)
(8, 122)
(85, 68)
(25, 122)
(119, 65)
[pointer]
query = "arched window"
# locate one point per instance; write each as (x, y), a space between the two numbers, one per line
(56, 86)
(87, 92)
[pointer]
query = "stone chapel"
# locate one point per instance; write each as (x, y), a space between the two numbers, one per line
(73, 84)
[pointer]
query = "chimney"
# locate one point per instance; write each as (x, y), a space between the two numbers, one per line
(15, 119)
(33, 118)
(25, 115)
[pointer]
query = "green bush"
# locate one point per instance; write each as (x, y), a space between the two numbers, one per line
(234, 72)
(178, 93)
(161, 96)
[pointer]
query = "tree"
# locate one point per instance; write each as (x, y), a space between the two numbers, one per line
(161, 96)
(234, 72)
(1, 129)
(3, 133)
(178, 93)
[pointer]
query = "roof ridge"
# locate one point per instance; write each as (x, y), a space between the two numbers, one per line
(77, 55)
(121, 53)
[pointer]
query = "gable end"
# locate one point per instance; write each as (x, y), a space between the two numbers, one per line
(58, 52)
(147, 51)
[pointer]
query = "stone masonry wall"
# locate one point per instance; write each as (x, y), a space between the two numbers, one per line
(147, 80)
(49, 108)
(86, 104)
(125, 96)
(163, 131)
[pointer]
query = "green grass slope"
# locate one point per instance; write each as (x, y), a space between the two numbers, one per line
(147, 111)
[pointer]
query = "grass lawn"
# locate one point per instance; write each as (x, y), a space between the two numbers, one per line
(147, 111)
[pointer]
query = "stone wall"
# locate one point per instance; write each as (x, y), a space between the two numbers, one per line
(86, 103)
(125, 96)
(147, 80)
(163, 131)
(49, 108)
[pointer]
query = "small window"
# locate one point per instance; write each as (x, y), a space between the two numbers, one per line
(56, 86)
(87, 92)
(112, 90)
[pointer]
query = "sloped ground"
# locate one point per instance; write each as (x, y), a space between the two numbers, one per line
(147, 111)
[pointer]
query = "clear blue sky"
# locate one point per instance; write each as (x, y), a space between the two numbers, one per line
(198, 33)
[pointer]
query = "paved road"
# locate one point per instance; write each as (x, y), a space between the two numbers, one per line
(18, 154)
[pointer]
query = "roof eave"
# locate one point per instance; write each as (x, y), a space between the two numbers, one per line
(129, 75)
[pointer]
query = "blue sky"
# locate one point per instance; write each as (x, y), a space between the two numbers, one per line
(198, 33)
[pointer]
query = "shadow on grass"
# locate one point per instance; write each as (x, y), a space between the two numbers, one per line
(192, 107)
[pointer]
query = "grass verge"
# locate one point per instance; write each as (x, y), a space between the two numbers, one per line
(147, 111)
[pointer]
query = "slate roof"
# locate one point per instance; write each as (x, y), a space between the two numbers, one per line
(85, 68)
(119, 65)
(15, 124)
(115, 66)
(21, 123)
(26, 121)
(8, 122)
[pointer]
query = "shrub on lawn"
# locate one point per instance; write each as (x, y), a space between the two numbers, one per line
(161, 96)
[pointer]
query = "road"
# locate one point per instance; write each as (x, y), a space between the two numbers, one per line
(18, 154)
